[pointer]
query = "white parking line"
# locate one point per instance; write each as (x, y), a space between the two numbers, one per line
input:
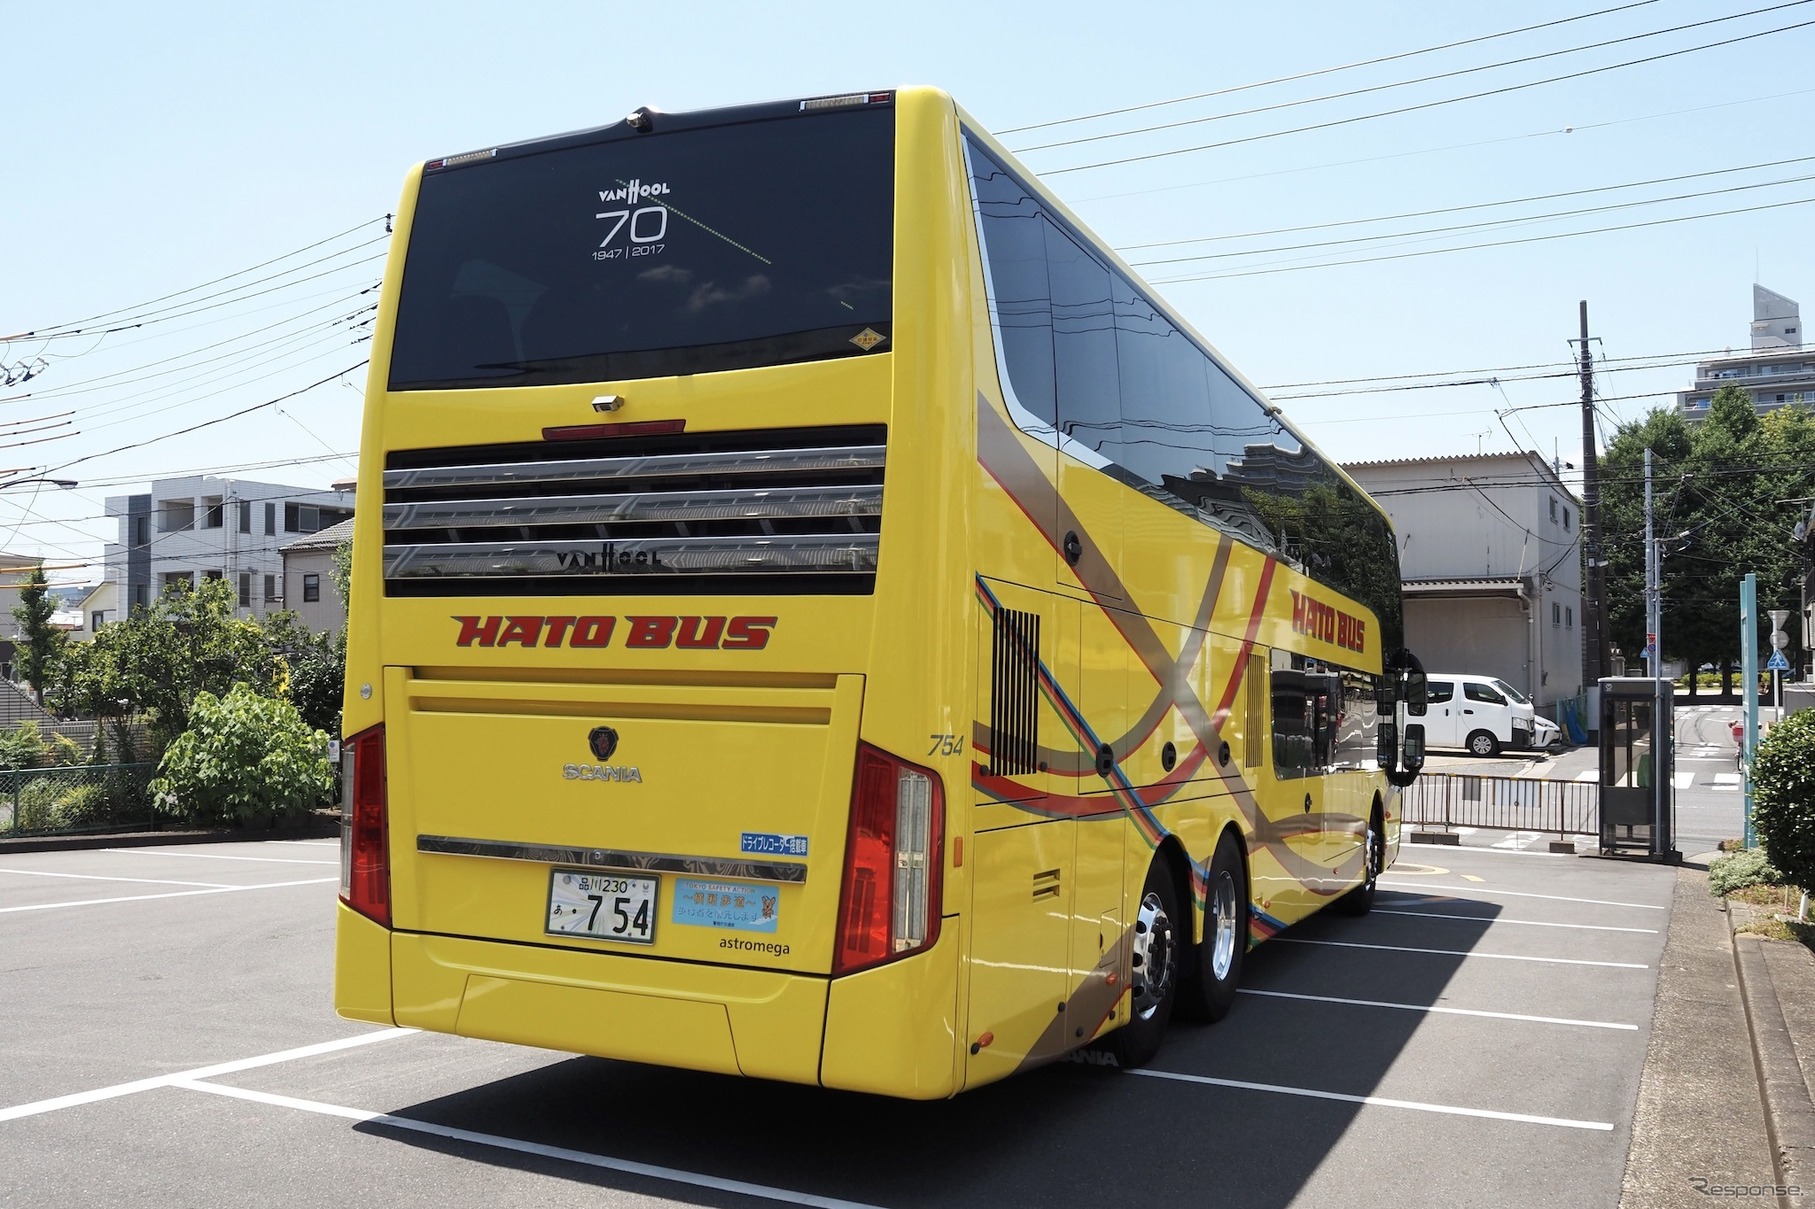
(673, 1175)
(38, 1107)
(1442, 1011)
(1529, 923)
(139, 898)
(1517, 840)
(215, 856)
(1376, 1101)
(1561, 961)
(1555, 898)
(96, 877)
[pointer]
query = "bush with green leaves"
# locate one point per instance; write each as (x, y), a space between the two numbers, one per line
(82, 806)
(1783, 797)
(37, 806)
(1741, 870)
(246, 759)
(23, 746)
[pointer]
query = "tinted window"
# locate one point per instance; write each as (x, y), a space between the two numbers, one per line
(1166, 431)
(1083, 327)
(1480, 692)
(1014, 247)
(639, 256)
(1439, 691)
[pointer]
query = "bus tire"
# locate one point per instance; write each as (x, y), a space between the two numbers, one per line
(1360, 900)
(1483, 743)
(1155, 974)
(1211, 991)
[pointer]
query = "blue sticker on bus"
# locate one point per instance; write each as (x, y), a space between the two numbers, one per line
(762, 843)
(741, 906)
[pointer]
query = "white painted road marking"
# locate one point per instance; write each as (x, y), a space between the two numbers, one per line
(673, 1175)
(1517, 840)
(1377, 1101)
(1443, 1011)
(139, 898)
(1555, 898)
(1529, 923)
(216, 856)
(96, 877)
(1562, 961)
(201, 1072)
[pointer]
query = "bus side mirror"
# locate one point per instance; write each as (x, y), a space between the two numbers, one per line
(1410, 757)
(1417, 697)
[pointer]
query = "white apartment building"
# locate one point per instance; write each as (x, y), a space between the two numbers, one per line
(1777, 372)
(187, 529)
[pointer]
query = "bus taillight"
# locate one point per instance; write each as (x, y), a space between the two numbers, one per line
(893, 859)
(365, 862)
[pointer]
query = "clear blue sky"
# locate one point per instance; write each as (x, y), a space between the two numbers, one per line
(151, 149)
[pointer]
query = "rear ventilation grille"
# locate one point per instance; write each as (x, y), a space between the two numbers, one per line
(1014, 707)
(778, 511)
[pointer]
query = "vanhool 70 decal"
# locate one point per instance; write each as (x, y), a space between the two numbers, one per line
(645, 632)
(648, 225)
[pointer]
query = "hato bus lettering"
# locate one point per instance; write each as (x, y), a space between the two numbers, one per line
(1312, 617)
(640, 632)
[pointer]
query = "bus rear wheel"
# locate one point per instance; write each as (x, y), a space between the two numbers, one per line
(1154, 976)
(1211, 991)
(1360, 900)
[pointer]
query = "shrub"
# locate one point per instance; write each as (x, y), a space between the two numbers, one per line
(37, 802)
(23, 746)
(1740, 870)
(1783, 782)
(82, 806)
(245, 759)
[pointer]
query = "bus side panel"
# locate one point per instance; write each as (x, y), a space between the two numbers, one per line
(913, 1003)
(362, 967)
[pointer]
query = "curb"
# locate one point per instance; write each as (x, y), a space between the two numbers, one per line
(1789, 1109)
(315, 830)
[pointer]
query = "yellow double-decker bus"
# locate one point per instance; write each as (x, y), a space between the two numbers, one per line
(818, 615)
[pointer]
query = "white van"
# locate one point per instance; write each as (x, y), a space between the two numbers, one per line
(1483, 715)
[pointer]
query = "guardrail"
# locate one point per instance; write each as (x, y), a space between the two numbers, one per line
(76, 798)
(1449, 800)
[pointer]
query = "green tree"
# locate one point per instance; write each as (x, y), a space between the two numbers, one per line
(245, 758)
(157, 661)
(1783, 780)
(40, 644)
(314, 668)
(1717, 487)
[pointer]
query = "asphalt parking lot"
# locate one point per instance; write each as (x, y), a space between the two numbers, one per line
(166, 1037)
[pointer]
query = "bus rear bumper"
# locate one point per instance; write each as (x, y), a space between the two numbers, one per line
(730, 1021)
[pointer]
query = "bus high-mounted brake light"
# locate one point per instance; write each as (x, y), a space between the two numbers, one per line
(365, 859)
(889, 904)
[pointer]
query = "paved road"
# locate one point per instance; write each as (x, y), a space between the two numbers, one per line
(166, 1038)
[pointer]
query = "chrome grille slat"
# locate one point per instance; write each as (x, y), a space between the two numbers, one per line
(854, 553)
(764, 461)
(775, 503)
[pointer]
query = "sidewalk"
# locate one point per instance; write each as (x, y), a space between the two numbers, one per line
(1724, 1104)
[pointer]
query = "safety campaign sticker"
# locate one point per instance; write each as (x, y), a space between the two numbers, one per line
(743, 906)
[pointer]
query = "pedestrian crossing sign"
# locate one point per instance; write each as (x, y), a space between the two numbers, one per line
(1777, 663)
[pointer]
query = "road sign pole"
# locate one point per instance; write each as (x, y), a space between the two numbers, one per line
(1748, 664)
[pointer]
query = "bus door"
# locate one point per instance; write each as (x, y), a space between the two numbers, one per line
(1295, 798)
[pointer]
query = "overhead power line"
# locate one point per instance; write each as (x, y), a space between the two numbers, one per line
(1403, 109)
(1322, 71)
(1373, 88)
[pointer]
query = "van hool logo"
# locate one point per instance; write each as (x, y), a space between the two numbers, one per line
(608, 557)
(647, 632)
(635, 191)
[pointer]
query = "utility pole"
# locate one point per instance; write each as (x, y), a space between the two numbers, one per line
(1654, 577)
(1595, 659)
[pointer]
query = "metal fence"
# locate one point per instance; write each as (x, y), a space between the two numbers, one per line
(1449, 800)
(93, 797)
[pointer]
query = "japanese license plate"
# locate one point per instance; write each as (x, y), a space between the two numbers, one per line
(603, 906)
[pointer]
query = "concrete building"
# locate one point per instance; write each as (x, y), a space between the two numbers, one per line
(15, 573)
(309, 589)
(1491, 559)
(187, 529)
(1776, 372)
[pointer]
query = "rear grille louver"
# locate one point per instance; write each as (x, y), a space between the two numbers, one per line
(1014, 699)
(778, 511)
